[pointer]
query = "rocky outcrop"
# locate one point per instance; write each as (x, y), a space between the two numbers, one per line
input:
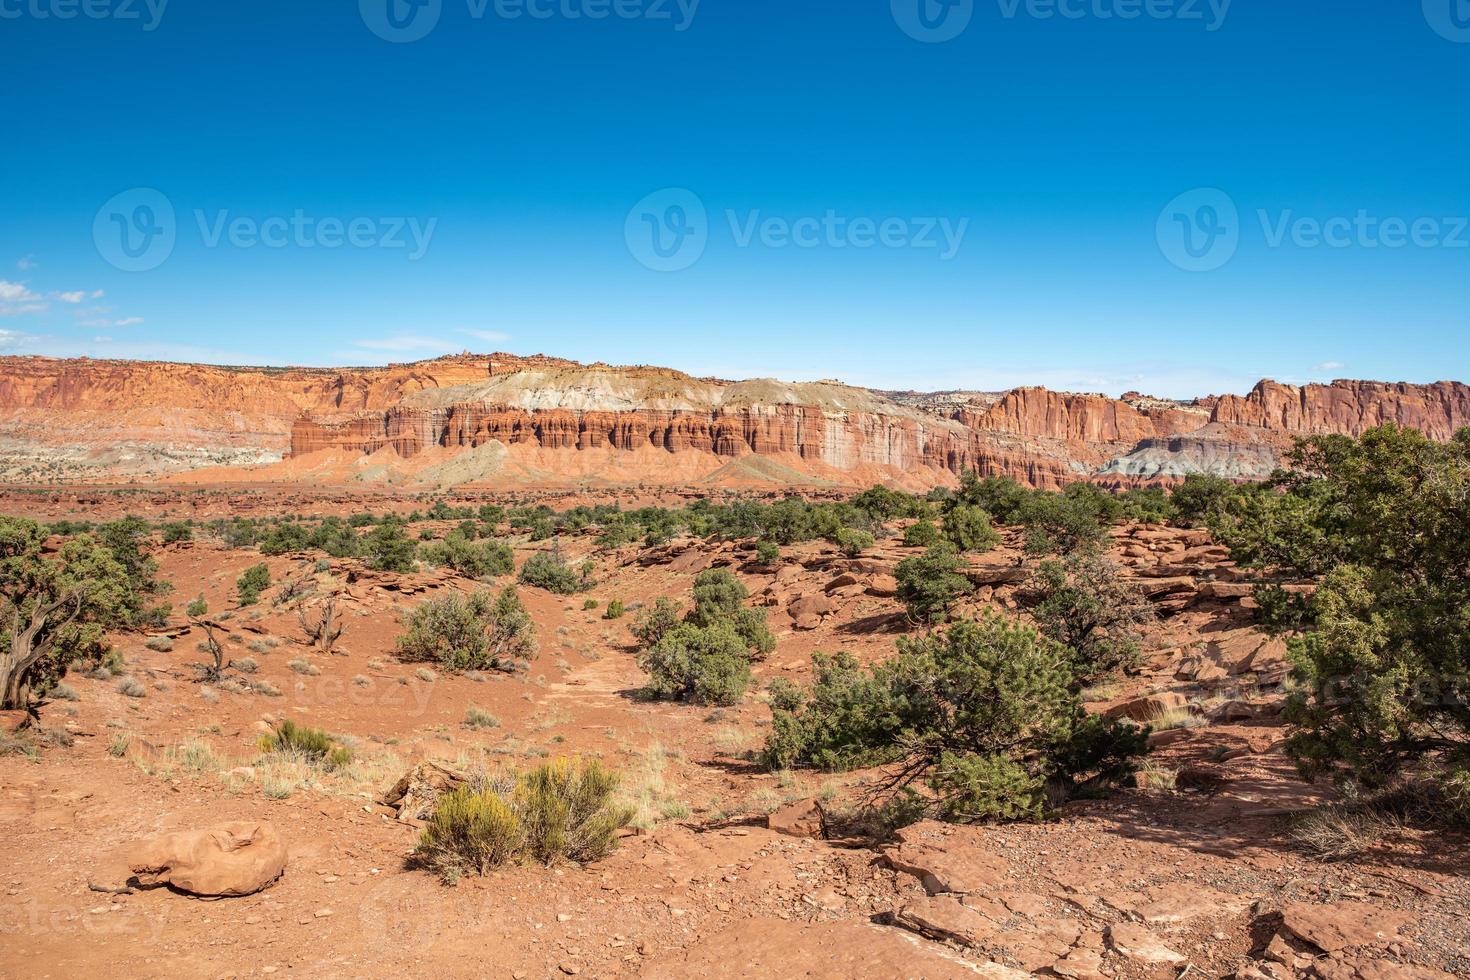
(1349, 407)
(65, 418)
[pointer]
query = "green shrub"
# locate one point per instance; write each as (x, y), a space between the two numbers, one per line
(719, 598)
(313, 744)
(653, 622)
(563, 810)
(176, 531)
(615, 609)
(1382, 674)
(1083, 604)
(921, 534)
(705, 665)
(250, 585)
(930, 583)
(852, 542)
(475, 559)
(1061, 523)
(767, 552)
(469, 832)
(969, 529)
(568, 811)
(475, 632)
(1201, 498)
(546, 570)
(388, 548)
(983, 714)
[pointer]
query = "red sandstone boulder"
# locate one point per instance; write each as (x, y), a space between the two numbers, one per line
(232, 859)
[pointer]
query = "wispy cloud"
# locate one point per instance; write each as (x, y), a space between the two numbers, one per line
(489, 336)
(27, 263)
(1329, 366)
(405, 342)
(16, 299)
(127, 321)
(77, 296)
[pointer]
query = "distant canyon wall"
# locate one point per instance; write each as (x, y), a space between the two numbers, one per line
(173, 416)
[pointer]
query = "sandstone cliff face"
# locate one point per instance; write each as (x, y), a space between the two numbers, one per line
(155, 417)
(1349, 407)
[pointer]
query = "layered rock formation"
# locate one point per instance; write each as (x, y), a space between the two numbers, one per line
(561, 421)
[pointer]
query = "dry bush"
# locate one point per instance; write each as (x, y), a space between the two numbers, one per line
(1337, 832)
(563, 810)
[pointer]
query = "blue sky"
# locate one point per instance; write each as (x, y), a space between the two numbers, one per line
(1062, 143)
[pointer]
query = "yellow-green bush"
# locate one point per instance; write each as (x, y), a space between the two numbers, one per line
(563, 810)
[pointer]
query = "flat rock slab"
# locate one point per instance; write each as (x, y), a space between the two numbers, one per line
(945, 919)
(947, 858)
(1343, 925)
(1131, 940)
(769, 947)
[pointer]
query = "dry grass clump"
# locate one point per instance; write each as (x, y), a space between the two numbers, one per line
(562, 810)
(1176, 718)
(477, 718)
(1337, 832)
(311, 744)
(647, 792)
(1152, 775)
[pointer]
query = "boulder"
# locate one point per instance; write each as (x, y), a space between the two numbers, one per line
(232, 859)
(800, 819)
(1148, 708)
(417, 791)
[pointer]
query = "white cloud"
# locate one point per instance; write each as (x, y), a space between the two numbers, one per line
(490, 336)
(127, 321)
(1330, 366)
(13, 339)
(16, 299)
(73, 297)
(27, 263)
